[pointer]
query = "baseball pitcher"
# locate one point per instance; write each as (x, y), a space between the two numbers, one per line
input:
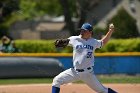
(83, 59)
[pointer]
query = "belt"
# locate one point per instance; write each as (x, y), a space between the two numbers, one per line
(82, 70)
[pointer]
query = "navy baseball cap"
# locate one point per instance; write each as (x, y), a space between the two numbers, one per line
(87, 26)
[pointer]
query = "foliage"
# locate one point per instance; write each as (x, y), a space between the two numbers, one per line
(29, 9)
(3, 30)
(125, 25)
(98, 32)
(121, 45)
(7, 8)
(33, 8)
(47, 46)
(16, 10)
(38, 46)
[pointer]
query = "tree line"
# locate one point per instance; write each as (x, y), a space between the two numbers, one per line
(15, 10)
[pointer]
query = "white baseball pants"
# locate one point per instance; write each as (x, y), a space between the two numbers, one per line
(87, 76)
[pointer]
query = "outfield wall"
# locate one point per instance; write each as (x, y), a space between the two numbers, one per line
(105, 63)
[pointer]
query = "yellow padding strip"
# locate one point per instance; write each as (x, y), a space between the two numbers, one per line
(37, 54)
(118, 54)
(65, 54)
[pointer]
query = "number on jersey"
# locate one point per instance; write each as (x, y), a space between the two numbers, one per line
(89, 54)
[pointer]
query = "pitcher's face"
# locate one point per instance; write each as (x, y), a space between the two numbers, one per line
(86, 34)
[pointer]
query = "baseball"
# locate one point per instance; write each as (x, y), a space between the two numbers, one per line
(111, 26)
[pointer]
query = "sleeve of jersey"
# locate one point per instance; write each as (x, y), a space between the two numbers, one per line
(71, 41)
(99, 43)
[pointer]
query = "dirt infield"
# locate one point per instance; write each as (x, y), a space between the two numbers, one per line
(69, 88)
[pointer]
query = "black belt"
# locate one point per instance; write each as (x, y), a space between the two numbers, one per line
(82, 70)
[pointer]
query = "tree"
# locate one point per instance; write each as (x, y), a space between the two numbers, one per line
(125, 25)
(7, 7)
(68, 16)
(82, 9)
(34, 8)
(14, 10)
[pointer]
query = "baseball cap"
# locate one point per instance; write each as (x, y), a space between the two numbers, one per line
(87, 26)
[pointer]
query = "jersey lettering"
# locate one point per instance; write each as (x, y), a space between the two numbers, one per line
(84, 47)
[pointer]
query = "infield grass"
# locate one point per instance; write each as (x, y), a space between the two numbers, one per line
(102, 79)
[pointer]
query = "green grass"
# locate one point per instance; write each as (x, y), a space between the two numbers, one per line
(119, 79)
(25, 81)
(102, 79)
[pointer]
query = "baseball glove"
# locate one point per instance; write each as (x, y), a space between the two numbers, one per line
(61, 43)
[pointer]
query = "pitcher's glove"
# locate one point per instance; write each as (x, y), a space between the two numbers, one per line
(61, 43)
